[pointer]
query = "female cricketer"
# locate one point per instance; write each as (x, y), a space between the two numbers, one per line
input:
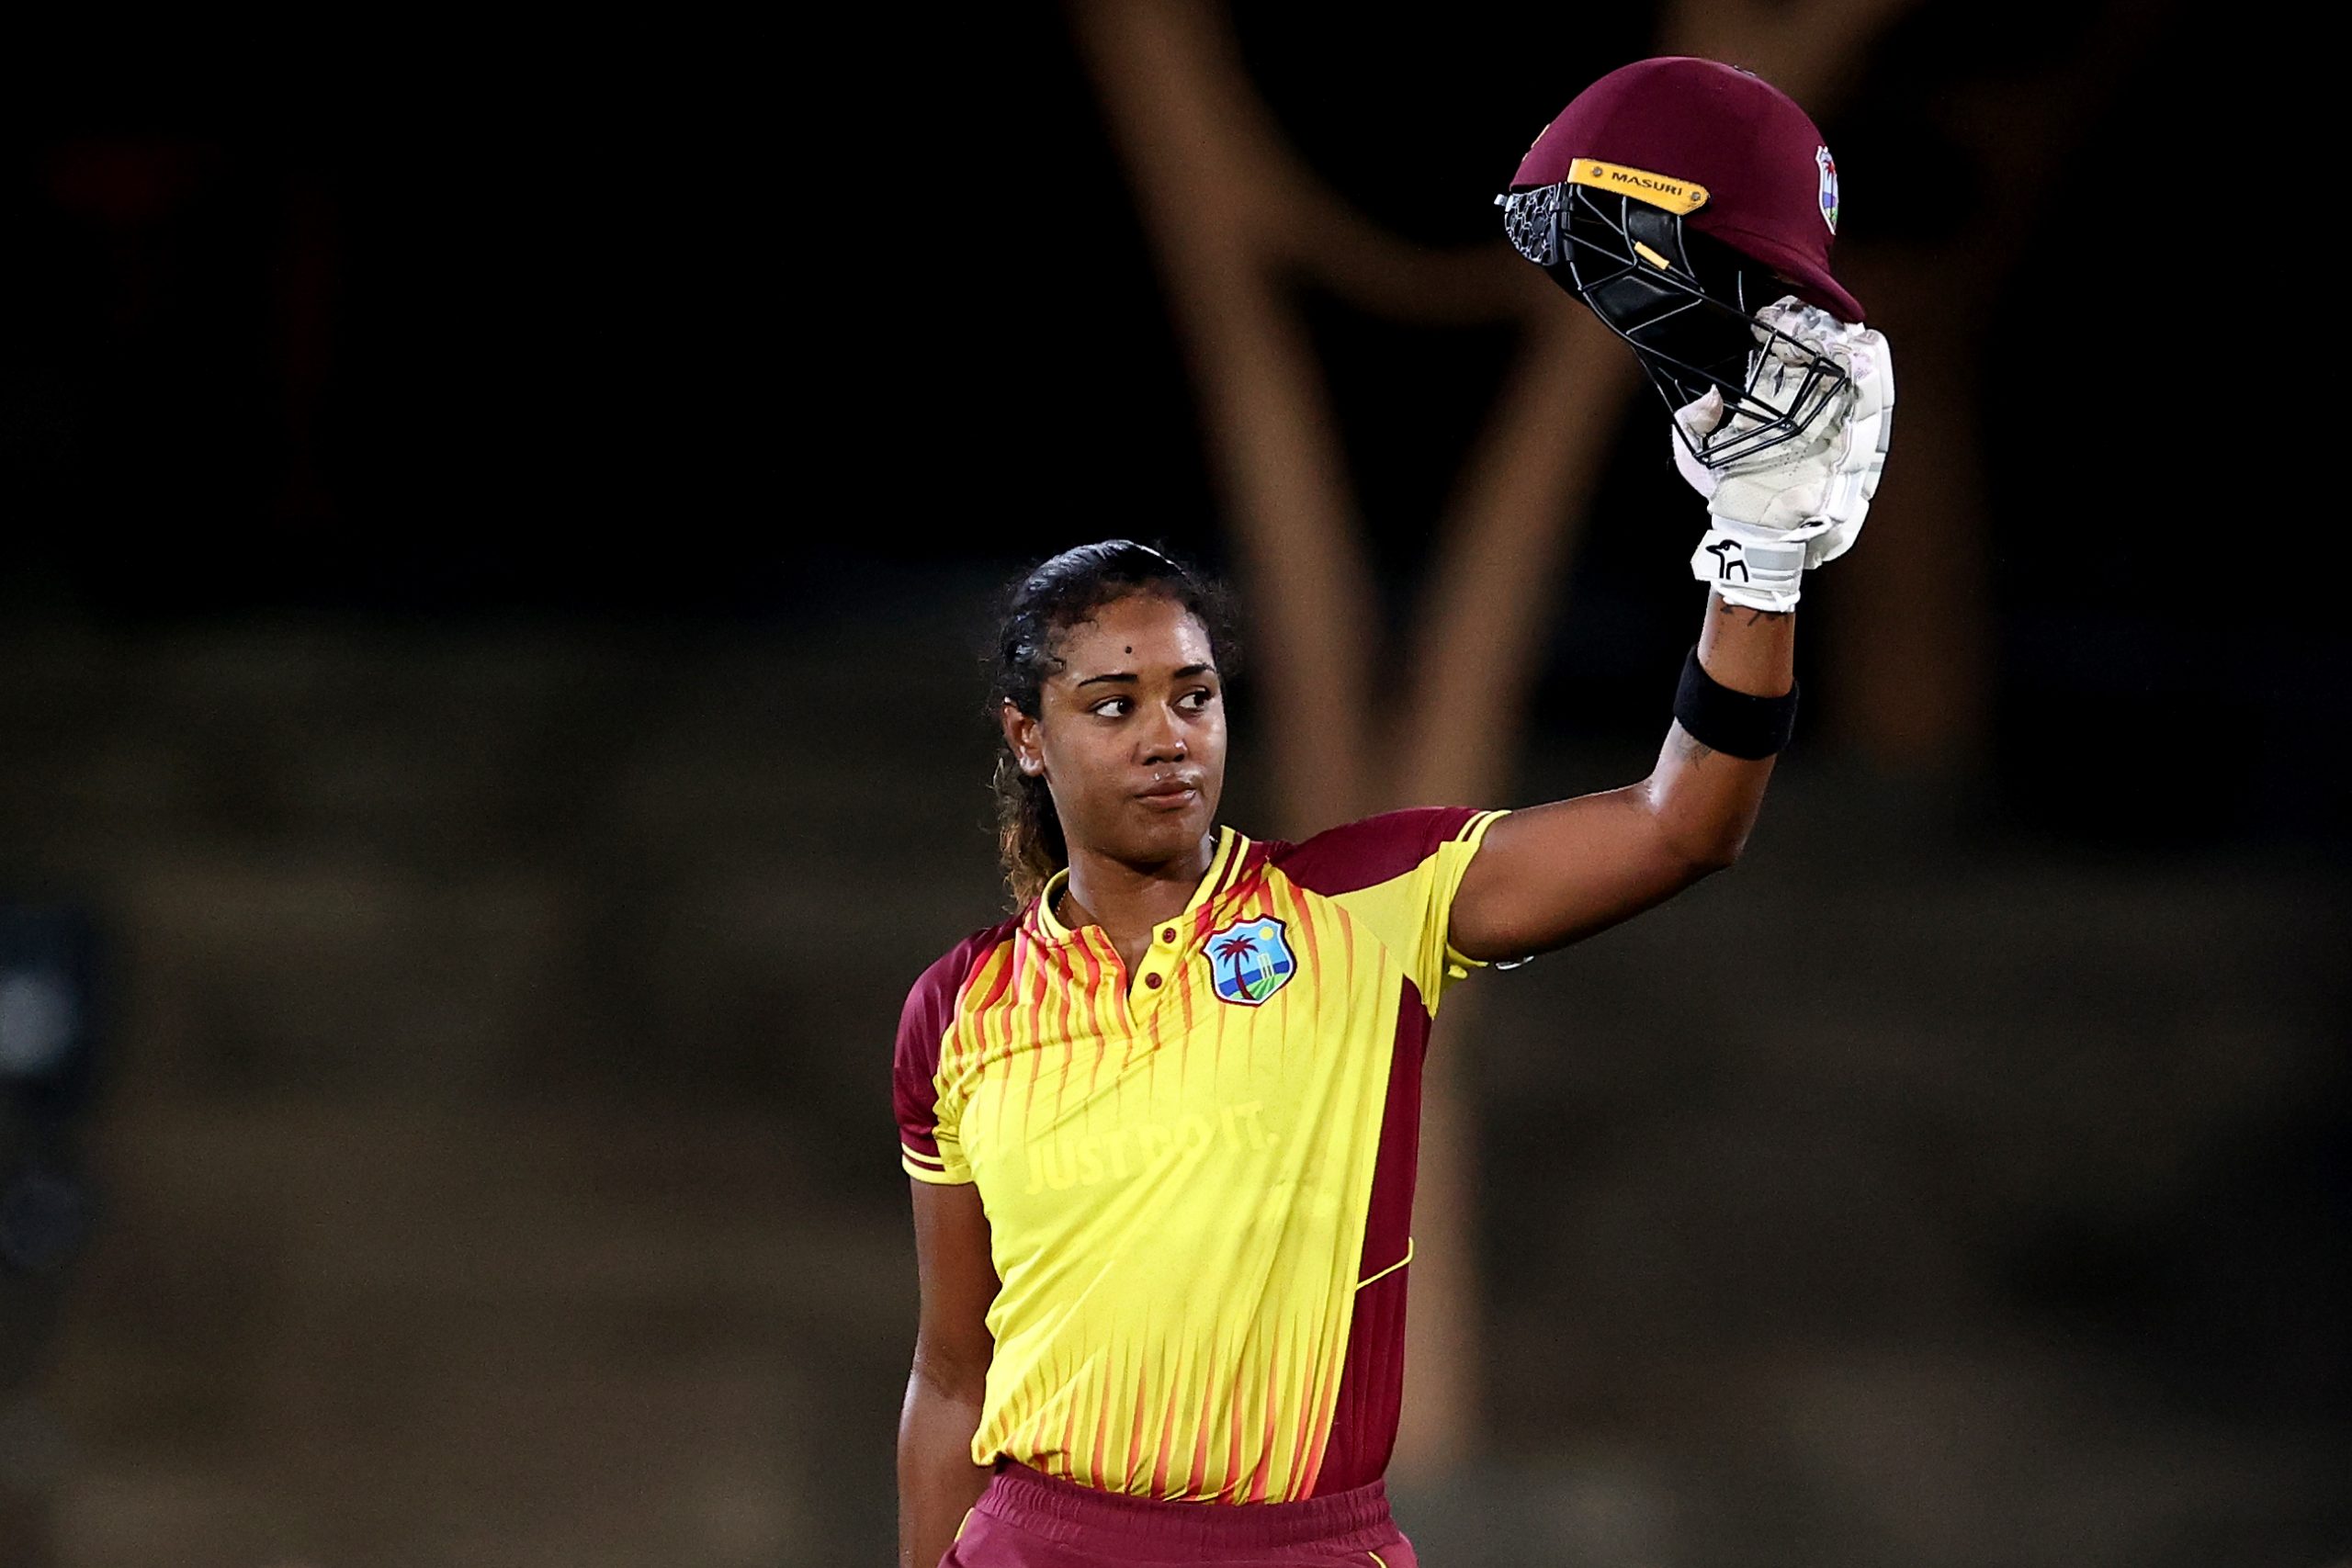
(1162, 1120)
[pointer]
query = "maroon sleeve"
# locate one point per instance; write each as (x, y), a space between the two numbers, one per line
(923, 1025)
(1358, 855)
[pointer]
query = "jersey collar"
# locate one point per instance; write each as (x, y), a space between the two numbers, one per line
(1232, 851)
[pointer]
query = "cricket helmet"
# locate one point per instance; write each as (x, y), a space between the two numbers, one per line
(1677, 198)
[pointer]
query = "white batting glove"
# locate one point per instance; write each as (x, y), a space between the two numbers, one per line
(1801, 501)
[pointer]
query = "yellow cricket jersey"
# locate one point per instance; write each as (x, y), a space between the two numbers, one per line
(1198, 1178)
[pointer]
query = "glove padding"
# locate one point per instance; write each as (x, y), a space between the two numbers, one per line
(1800, 502)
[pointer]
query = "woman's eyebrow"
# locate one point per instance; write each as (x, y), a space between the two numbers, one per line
(1187, 672)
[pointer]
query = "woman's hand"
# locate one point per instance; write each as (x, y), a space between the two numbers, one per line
(1798, 503)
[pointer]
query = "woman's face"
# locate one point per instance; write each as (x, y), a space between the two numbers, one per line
(1130, 735)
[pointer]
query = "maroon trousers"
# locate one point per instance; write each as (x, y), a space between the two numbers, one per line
(1028, 1520)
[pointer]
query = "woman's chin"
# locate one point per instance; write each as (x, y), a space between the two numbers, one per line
(1168, 828)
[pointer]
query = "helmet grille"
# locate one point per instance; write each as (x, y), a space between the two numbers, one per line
(1684, 300)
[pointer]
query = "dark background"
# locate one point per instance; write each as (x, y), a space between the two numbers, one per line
(500, 533)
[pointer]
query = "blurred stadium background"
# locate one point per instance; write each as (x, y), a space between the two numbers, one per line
(499, 536)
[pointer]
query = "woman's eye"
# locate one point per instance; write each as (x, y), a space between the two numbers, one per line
(1112, 707)
(1198, 700)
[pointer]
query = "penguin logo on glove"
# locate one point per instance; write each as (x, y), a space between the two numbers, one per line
(1721, 550)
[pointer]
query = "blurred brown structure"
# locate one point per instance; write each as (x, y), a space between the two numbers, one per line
(1241, 225)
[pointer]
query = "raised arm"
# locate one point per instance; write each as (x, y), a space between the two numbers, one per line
(1549, 874)
(938, 1483)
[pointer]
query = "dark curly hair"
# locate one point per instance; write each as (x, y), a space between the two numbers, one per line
(1042, 604)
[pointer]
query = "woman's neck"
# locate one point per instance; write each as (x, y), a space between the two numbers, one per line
(1126, 900)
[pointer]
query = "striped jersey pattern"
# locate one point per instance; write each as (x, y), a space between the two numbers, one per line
(1198, 1176)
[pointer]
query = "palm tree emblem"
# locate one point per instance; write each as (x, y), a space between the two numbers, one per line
(1250, 959)
(1240, 950)
(1254, 976)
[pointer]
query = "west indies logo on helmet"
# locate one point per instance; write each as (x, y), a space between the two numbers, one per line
(1677, 198)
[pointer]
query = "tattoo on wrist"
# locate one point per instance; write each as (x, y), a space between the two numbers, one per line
(1725, 607)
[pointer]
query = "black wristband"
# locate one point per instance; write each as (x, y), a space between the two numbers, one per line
(1732, 722)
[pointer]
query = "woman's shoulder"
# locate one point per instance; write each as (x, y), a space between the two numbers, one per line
(1372, 848)
(937, 986)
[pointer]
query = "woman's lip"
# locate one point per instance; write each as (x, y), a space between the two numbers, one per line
(1168, 798)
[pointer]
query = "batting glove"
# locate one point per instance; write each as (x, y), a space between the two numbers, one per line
(1800, 502)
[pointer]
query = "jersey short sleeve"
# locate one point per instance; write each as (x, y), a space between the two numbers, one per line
(929, 1147)
(1398, 873)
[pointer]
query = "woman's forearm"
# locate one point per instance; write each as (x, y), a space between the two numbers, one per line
(938, 1483)
(1706, 801)
(1552, 873)
(1748, 650)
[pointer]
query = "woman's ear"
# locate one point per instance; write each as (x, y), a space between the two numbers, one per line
(1021, 734)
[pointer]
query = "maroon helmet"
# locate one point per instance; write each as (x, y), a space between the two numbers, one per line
(1676, 197)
